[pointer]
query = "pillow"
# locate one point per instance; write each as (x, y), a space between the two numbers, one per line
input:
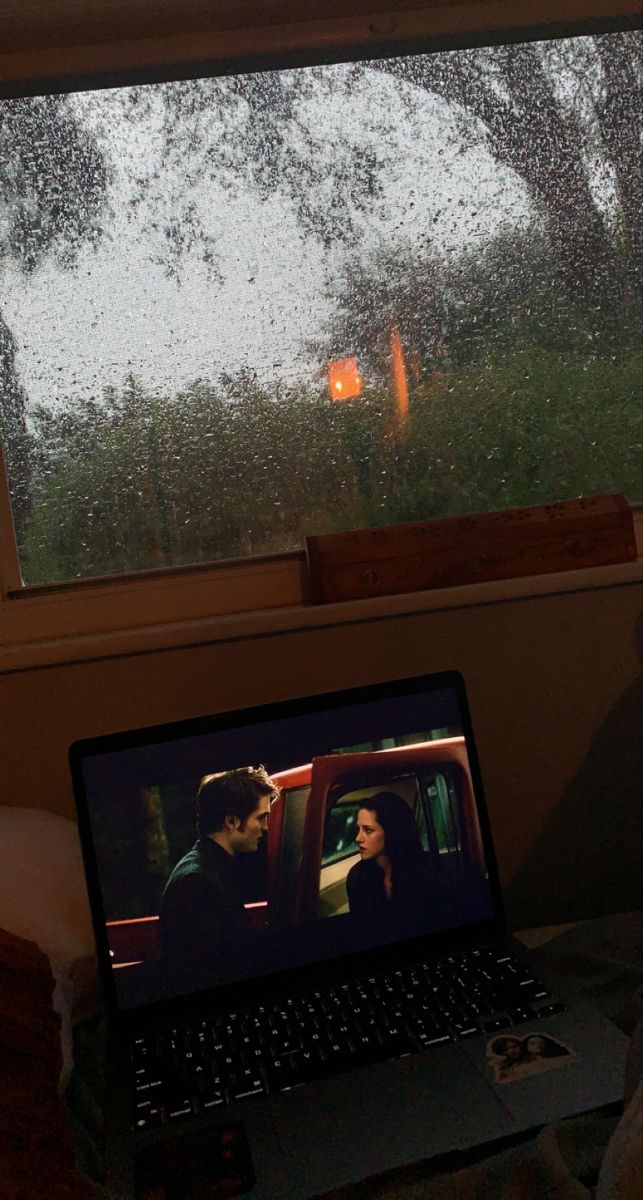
(43, 898)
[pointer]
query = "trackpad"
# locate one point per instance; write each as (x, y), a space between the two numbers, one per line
(345, 1129)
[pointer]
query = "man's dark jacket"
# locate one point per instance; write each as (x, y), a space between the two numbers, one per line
(203, 921)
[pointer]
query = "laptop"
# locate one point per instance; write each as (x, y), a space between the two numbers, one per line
(323, 1043)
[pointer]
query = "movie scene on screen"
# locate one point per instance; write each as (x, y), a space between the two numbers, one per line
(245, 851)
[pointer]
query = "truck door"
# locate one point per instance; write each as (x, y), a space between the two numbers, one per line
(434, 779)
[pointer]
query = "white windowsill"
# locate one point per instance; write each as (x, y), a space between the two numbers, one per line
(220, 604)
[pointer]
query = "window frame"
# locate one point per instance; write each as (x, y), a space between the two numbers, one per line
(80, 619)
(86, 46)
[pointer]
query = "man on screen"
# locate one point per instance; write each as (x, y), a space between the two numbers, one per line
(202, 916)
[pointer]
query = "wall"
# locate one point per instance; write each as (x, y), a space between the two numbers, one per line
(552, 685)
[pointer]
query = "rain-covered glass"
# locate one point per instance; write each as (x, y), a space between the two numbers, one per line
(236, 311)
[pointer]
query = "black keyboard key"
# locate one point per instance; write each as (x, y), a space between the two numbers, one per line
(179, 1106)
(284, 1044)
(197, 1072)
(465, 1030)
(211, 1093)
(549, 1010)
(531, 993)
(308, 1065)
(474, 1013)
(496, 1023)
(147, 1089)
(143, 1052)
(397, 1043)
(247, 1083)
(290, 1072)
(428, 1033)
(148, 1116)
(367, 1048)
(519, 1015)
(428, 1038)
(191, 1065)
(337, 1047)
(338, 1059)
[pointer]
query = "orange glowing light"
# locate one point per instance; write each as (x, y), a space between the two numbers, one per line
(398, 371)
(344, 379)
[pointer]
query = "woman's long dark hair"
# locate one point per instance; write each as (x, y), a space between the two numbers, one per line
(402, 844)
(551, 1048)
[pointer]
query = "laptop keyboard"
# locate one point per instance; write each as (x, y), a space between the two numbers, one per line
(282, 1045)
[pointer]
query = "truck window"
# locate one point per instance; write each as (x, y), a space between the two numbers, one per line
(339, 833)
(341, 820)
(443, 806)
(292, 834)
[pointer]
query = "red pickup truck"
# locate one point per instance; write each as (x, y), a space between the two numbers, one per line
(311, 842)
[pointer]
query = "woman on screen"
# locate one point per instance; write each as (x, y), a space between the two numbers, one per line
(388, 887)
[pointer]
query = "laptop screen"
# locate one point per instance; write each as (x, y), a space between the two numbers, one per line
(225, 849)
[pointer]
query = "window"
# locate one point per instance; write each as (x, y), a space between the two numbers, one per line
(340, 832)
(191, 269)
(292, 836)
(340, 829)
(444, 806)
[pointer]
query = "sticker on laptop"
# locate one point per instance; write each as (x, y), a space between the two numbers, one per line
(511, 1057)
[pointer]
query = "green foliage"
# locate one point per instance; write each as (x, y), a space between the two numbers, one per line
(53, 199)
(472, 310)
(528, 426)
(508, 290)
(399, 285)
(138, 481)
(53, 181)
